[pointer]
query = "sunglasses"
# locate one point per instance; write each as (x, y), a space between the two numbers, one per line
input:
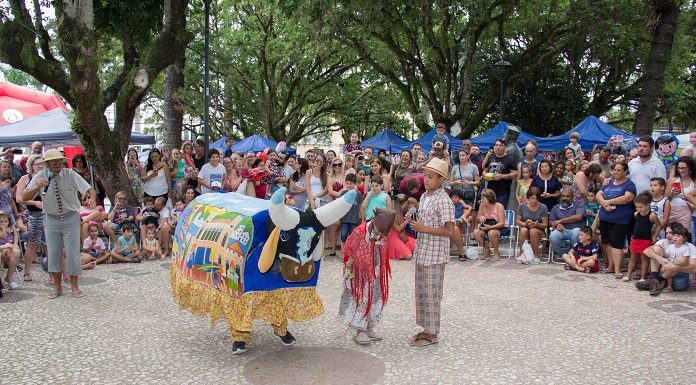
(338, 164)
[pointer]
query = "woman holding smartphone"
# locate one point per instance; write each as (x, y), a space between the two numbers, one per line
(678, 188)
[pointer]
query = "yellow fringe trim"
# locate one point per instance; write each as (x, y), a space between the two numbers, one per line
(274, 307)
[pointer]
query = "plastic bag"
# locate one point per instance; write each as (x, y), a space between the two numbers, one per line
(527, 257)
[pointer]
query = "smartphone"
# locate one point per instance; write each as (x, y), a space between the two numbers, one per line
(676, 187)
(17, 151)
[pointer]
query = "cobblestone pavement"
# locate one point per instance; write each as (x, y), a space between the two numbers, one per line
(503, 323)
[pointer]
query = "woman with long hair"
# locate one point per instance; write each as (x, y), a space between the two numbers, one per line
(177, 166)
(588, 179)
(403, 168)
(134, 170)
(377, 168)
(317, 180)
(532, 219)
(336, 180)
(35, 228)
(297, 186)
(232, 178)
(678, 187)
(80, 166)
(465, 177)
(156, 176)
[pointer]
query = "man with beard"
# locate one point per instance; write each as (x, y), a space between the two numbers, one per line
(501, 170)
(276, 178)
(566, 220)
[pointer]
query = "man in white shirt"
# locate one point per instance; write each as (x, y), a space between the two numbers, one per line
(645, 166)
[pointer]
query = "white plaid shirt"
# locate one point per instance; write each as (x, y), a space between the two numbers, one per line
(434, 211)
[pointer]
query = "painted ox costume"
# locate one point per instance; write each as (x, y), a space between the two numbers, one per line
(242, 259)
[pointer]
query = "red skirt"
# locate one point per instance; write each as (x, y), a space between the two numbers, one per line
(639, 245)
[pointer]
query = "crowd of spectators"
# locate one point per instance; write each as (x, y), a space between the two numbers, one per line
(569, 205)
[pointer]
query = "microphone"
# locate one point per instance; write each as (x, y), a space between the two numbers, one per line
(413, 211)
(45, 190)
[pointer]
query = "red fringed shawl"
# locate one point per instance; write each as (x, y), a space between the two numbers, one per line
(362, 268)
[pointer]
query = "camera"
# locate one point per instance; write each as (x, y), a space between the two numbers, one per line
(17, 151)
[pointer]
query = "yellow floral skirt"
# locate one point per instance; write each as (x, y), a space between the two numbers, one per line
(274, 307)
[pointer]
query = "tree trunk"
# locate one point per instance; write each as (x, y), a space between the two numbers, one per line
(173, 108)
(662, 23)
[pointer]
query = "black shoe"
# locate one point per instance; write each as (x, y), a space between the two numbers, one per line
(462, 257)
(655, 287)
(135, 260)
(644, 285)
(238, 347)
(287, 339)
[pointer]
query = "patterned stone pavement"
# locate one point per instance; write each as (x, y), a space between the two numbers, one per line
(503, 323)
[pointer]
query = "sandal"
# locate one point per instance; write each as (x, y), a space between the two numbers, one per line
(28, 277)
(423, 340)
(78, 294)
(618, 276)
(55, 294)
(566, 267)
(626, 279)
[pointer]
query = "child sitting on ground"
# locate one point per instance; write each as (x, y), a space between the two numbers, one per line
(126, 249)
(93, 248)
(151, 247)
(647, 226)
(9, 250)
(660, 205)
(584, 255)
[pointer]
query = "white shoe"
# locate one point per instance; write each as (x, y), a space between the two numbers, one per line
(14, 285)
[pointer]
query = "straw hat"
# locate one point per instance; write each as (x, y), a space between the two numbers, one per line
(438, 166)
(53, 154)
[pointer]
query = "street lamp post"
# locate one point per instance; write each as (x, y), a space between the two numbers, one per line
(206, 80)
(504, 67)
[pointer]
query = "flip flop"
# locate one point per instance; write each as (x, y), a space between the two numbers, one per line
(78, 294)
(55, 294)
(423, 341)
(28, 277)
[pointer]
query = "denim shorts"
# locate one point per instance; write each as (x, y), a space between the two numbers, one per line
(346, 230)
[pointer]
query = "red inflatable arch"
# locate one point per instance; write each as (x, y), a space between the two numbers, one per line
(18, 103)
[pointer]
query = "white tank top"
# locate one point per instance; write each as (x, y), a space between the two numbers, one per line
(157, 185)
(315, 185)
(658, 207)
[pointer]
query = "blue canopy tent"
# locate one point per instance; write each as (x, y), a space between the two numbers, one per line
(253, 143)
(592, 132)
(426, 142)
(384, 140)
(487, 140)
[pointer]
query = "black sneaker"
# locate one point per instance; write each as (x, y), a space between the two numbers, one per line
(462, 257)
(287, 339)
(644, 285)
(238, 347)
(655, 287)
(135, 260)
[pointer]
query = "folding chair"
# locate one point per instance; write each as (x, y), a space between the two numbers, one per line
(512, 238)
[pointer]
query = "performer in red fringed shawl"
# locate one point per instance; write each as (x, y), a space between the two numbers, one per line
(366, 275)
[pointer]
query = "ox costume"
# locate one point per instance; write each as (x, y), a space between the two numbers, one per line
(241, 259)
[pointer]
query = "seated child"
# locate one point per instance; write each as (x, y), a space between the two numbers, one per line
(149, 217)
(9, 250)
(93, 248)
(575, 145)
(126, 248)
(120, 214)
(95, 215)
(9, 206)
(584, 255)
(179, 207)
(151, 248)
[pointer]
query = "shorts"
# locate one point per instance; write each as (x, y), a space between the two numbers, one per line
(116, 226)
(35, 226)
(594, 268)
(637, 246)
(346, 230)
(504, 232)
(613, 234)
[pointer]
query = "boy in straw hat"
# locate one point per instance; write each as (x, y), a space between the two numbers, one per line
(59, 187)
(434, 225)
